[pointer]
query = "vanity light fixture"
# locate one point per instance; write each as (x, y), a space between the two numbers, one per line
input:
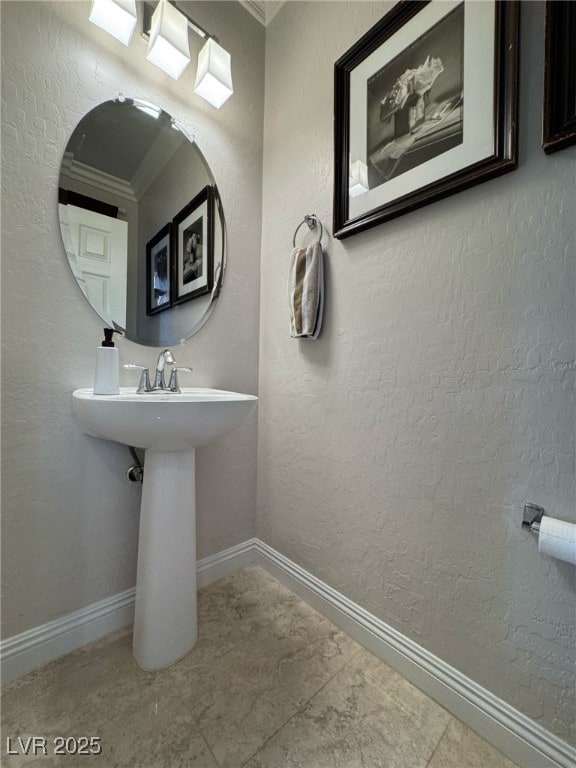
(166, 29)
(168, 44)
(117, 17)
(214, 75)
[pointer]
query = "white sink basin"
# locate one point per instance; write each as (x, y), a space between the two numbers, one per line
(162, 422)
(170, 427)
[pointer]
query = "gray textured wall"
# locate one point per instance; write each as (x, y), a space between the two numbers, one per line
(69, 516)
(395, 453)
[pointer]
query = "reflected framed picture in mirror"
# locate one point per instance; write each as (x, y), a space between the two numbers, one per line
(193, 229)
(158, 271)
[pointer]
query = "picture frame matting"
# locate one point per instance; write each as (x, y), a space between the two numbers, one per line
(193, 246)
(410, 81)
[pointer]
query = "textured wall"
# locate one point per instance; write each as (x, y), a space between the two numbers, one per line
(395, 453)
(69, 516)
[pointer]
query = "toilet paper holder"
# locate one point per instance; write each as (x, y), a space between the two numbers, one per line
(532, 517)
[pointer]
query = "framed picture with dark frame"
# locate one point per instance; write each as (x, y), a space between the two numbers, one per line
(559, 118)
(193, 238)
(425, 106)
(159, 271)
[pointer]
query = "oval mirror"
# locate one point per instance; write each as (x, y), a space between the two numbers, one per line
(141, 222)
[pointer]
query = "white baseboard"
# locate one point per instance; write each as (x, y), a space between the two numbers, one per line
(225, 563)
(523, 740)
(37, 646)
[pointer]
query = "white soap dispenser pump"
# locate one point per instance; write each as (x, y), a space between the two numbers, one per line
(107, 377)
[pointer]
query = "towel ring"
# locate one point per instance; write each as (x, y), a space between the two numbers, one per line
(312, 220)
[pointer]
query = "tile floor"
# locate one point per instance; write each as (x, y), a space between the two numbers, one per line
(270, 684)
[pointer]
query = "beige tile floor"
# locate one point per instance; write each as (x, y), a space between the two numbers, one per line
(270, 684)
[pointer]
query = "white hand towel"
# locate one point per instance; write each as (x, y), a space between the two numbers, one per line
(306, 291)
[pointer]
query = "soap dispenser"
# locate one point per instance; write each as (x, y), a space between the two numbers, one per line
(107, 378)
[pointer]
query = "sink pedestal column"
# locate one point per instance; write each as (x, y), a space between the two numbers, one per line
(165, 622)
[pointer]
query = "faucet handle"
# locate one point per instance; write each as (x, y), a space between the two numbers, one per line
(144, 384)
(173, 384)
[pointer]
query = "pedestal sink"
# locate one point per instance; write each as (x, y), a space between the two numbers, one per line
(169, 427)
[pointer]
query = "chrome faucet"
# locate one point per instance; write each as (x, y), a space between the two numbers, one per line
(164, 358)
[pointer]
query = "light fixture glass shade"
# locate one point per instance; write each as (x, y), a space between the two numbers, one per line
(117, 17)
(214, 74)
(358, 181)
(168, 45)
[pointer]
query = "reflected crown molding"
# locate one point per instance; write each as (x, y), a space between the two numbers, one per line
(89, 175)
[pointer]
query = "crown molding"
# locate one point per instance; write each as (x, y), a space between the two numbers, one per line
(263, 10)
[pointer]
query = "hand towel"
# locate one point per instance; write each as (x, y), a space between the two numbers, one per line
(306, 291)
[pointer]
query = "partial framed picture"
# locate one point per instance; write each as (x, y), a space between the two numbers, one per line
(158, 271)
(559, 123)
(425, 106)
(193, 231)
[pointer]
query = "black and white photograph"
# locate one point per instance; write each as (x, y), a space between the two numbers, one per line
(415, 103)
(193, 230)
(158, 269)
(425, 106)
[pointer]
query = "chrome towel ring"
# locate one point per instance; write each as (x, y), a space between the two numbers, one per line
(312, 220)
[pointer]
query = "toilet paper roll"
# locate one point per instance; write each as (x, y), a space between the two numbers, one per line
(557, 538)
